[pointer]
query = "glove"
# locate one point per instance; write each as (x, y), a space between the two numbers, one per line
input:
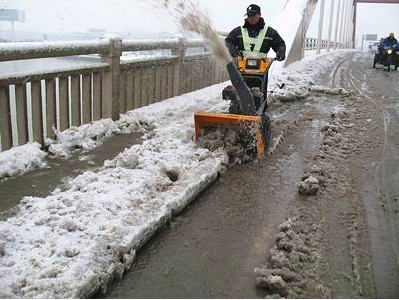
(280, 56)
(238, 54)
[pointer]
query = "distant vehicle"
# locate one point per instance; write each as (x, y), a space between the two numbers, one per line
(373, 47)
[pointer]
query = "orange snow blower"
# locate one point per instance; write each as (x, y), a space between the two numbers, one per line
(248, 103)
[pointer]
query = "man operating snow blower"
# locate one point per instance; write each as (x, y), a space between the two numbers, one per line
(253, 39)
(249, 45)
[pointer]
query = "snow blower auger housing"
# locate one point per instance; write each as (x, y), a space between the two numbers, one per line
(248, 104)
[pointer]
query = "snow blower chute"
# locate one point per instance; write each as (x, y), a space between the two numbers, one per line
(247, 104)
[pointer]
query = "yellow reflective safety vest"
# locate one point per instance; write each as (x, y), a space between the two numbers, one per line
(256, 42)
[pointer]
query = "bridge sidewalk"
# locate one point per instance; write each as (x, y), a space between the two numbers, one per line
(41, 182)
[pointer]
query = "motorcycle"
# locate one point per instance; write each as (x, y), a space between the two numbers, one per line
(388, 58)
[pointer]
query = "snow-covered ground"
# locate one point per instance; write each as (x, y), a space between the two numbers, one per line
(71, 243)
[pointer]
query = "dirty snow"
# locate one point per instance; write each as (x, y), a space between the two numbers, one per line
(296, 257)
(21, 159)
(73, 243)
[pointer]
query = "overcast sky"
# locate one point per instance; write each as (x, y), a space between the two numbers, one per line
(142, 16)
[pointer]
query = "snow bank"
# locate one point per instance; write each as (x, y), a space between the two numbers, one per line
(19, 160)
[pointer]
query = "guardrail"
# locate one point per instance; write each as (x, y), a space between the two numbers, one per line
(311, 44)
(78, 95)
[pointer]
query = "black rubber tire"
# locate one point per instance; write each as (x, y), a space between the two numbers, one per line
(390, 61)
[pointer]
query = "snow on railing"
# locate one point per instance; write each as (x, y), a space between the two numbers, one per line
(29, 50)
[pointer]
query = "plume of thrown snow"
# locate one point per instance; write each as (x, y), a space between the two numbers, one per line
(189, 17)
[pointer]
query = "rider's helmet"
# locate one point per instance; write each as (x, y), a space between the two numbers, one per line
(391, 35)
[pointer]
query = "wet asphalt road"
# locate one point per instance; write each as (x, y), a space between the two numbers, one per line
(381, 197)
(211, 249)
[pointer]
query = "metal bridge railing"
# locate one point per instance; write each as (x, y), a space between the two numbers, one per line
(311, 44)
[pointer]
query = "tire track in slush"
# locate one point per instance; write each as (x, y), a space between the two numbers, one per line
(381, 212)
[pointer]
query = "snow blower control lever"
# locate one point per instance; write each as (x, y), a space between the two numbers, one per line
(244, 93)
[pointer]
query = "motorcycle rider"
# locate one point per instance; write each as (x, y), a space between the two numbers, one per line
(390, 42)
(255, 36)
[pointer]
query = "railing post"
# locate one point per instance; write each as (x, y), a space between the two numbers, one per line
(110, 80)
(179, 51)
(5, 118)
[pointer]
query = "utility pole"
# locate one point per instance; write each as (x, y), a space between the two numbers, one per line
(361, 49)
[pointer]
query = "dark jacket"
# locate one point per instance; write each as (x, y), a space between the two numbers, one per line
(390, 42)
(234, 41)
